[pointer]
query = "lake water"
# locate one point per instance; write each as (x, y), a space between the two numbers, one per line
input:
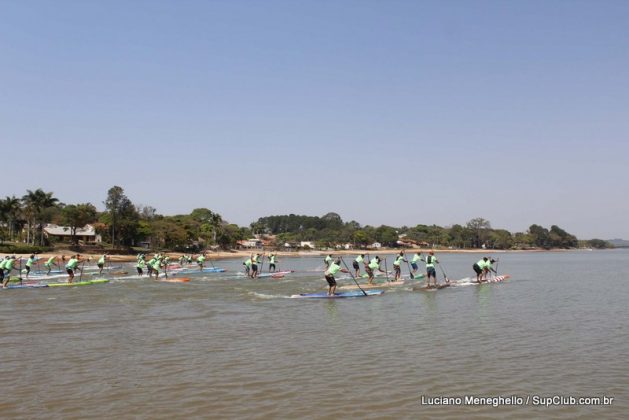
(223, 346)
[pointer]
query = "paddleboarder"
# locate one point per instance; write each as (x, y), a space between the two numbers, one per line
(201, 261)
(416, 258)
(101, 263)
(8, 266)
(334, 268)
(247, 265)
(140, 266)
(29, 263)
(373, 265)
(272, 261)
(356, 264)
(48, 264)
(71, 266)
(431, 260)
(480, 268)
(396, 265)
(328, 261)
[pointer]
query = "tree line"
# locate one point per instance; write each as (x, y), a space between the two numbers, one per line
(124, 224)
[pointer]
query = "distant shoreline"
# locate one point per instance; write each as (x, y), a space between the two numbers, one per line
(245, 253)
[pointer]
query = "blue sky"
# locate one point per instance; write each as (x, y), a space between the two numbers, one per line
(387, 112)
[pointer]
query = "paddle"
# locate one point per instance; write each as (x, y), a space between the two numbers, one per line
(410, 272)
(445, 276)
(262, 263)
(352, 275)
(386, 269)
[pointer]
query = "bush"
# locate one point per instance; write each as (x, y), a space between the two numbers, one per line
(23, 249)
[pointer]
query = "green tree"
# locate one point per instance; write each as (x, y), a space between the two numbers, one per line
(10, 210)
(36, 205)
(481, 228)
(77, 216)
(122, 217)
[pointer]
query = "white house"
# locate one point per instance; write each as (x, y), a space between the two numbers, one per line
(86, 234)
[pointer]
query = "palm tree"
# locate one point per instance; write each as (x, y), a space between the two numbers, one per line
(35, 204)
(9, 212)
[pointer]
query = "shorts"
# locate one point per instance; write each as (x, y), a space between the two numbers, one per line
(28, 269)
(477, 269)
(331, 281)
(254, 267)
(69, 271)
(1, 274)
(414, 265)
(100, 265)
(271, 266)
(430, 272)
(397, 268)
(369, 271)
(355, 265)
(139, 270)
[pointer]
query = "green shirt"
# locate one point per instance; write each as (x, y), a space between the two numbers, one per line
(141, 264)
(156, 265)
(50, 261)
(72, 263)
(416, 257)
(374, 264)
(248, 262)
(482, 264)
(101, 260)
(398, 260)
(201, 259)
(30, 261)
(272, 259)
(8, 264)
(333, 269)
(359, 259)
(328, 259)
(430, 261)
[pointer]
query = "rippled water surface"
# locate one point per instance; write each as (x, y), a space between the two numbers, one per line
(223, 346)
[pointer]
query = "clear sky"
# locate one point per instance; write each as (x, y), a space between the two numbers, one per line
(386, 112)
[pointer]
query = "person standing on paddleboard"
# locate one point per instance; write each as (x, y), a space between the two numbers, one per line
(396, 265)
(490, 267)
(272, 261)
(356, 264)
(7, 267)
(431, 260)
(72, 265)
(201, 261)
(255, 259)
(373, 265)
(416, 258)
(327, 261)
(101, 263)
(480, 269)
(29, 263)
(140, 266)
(247, 265)
(334, 268)
(48, 264)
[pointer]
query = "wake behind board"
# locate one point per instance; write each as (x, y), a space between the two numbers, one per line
(26, 286)
(340, 295)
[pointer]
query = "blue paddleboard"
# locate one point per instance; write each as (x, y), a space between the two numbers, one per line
(338, 295)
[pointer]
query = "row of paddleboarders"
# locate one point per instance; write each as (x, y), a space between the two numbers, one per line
(251, 264)
(482, 268)
(161, 263)
(7, 265)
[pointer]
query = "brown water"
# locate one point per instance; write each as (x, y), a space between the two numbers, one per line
(223, 346)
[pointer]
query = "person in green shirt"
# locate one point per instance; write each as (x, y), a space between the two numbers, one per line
(272, 262)
(29, 263)
(334, 268)
(101, 263)
(156, 266)
(247, 265)
(328, 260)
(48, 264)
(71, 266)
(416, 258)
(397, 265)
(255, 260)
(201, 261)
(140, 266)
(431, 260)
(480, 268)
(149, 267)
(7, 267)
(373, 265)
(356, 264)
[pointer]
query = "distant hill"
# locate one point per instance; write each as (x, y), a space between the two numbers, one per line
(619, 243)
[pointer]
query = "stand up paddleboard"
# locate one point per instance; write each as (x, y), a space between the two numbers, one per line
(340, 295)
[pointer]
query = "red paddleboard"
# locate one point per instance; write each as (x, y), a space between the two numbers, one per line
(176, 280)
